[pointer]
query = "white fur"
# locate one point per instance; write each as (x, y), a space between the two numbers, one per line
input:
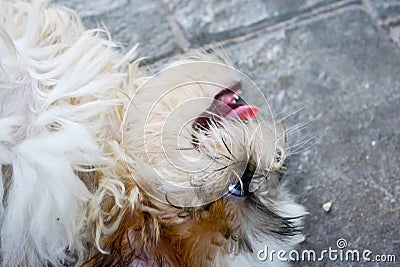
(58, 84)
(259, 241)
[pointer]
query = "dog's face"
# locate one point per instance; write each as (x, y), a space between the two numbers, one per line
(207, 165)
(196, 137)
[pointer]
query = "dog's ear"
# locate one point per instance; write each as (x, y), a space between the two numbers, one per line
(57, 92)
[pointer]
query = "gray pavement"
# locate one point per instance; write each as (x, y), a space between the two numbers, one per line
(334, 65)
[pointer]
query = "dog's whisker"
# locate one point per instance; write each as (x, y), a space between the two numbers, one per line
(304, 145)
(298, 127)
(280, 120)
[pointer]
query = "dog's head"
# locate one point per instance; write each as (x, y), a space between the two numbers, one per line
(207, 164)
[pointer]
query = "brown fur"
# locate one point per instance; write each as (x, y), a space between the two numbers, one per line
(137, 239)
(189, 238)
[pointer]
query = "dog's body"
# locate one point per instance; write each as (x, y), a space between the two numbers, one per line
(86, 144)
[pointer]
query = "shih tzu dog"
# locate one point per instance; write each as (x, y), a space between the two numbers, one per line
(102, 165)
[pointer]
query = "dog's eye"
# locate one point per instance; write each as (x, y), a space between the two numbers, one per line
(241, 188)
(235, 190)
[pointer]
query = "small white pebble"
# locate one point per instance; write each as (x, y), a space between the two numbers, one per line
(366, 85)
(327, 206)
(373, 143)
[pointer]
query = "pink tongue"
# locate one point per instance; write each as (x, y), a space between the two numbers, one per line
(243, 112)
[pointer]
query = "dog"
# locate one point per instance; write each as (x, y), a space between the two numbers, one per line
(105, 165)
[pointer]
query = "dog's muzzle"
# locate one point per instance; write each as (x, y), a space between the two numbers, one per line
(228, 104)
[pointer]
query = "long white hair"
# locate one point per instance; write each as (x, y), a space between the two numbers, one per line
(58, 85)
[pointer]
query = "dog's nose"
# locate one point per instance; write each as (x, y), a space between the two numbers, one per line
(241, 188)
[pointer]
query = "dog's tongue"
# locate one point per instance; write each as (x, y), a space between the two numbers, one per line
(243, 112)
(226, 104)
